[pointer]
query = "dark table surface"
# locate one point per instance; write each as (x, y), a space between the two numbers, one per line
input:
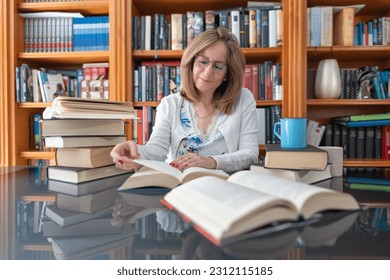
(152, 232)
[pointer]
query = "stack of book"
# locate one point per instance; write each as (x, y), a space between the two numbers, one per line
(308, 165)
(84, 178)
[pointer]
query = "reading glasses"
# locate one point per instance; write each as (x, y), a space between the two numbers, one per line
(203, 62)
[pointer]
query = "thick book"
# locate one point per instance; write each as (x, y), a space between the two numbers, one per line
(222, 209)
(82, 141)
(83, 127)
(75, 107)
(96, 226)
(84, 157)
(304, 176)
(78, 175)
(309, 158)
(343, 26)
(161, 174)
(66, 218)
(87, 187)
(88, 203)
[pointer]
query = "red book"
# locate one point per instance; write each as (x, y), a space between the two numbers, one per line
(255, 81)
(139, 127)
(247, 82)
(386, 142)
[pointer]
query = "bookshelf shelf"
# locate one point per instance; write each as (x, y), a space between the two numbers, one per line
(349, 53)
(44, 196)
(67, 58)
(95, 7)
(34, 105)
(366, 163)
(347, 102)
(36, 155)
(250, 54)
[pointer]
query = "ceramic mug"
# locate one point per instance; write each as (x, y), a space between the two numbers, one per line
(292, 132)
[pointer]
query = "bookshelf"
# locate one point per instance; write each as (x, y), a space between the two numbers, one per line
(295, 56)
(15, 137)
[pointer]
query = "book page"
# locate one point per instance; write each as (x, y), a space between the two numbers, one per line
(296, 192)
(225, 209)
(195, 172)
(161, 166)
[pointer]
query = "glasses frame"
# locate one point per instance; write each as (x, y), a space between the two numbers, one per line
(214, 63)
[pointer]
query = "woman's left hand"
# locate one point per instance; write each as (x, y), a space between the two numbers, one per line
(193, 160)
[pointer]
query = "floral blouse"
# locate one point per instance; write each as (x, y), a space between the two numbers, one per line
(206, 143)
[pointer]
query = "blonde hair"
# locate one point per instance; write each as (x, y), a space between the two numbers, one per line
(227, 93)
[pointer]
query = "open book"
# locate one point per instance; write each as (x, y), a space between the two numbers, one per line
(248, 200)
(161, 174)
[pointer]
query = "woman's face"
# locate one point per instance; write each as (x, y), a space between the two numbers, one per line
(210, 68)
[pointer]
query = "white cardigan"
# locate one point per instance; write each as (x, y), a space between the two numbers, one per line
(239, 131)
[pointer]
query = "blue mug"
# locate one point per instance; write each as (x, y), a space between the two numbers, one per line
(292, 132)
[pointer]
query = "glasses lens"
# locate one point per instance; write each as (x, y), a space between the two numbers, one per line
(203, 62)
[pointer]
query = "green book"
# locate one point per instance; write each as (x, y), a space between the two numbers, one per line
(370, 187)
(364, 117)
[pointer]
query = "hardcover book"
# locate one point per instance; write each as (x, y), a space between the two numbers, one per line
(304, 176)
(88, 203)
(309, 158)
(96, 226)
(74, 107)
(65, 218)
(84, 157)
(83, 127)
(87, 187)
(82, 141)
(161, 174)
(79, 175)
(222, 209)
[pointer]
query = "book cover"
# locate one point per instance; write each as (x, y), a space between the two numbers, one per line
(309, 158)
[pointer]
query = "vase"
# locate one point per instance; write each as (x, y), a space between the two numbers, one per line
(328, 80)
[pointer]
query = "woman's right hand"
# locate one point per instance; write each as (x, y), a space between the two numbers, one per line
(124, 153)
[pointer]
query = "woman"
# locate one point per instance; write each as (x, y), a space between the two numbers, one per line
(212, 122)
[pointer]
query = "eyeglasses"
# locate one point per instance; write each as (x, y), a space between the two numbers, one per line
(203, 62)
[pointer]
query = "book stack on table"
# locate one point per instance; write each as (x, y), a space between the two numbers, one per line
(308, 165)
(83, 132)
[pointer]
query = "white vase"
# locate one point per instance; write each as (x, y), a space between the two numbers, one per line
(328, 80)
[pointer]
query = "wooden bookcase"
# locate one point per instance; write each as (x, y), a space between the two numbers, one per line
(294, 55)
(15, 137)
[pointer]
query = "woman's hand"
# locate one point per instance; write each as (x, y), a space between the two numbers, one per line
(193, 160)
(123, 155)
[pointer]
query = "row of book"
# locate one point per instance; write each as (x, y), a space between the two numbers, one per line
(375, 81)
(264, 80)
(154, 80)
(253, 27)
(66, 34)
(43, 85)
(335, 25)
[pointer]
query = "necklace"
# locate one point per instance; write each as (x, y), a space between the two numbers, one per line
(204, 117)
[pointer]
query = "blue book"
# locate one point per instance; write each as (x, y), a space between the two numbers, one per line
(315, 26)
(368, 180)
(365, 123)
